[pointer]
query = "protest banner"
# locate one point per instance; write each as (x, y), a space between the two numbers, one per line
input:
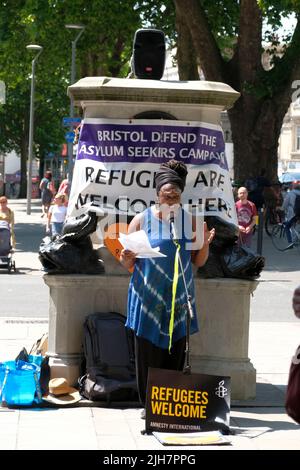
(117, 160)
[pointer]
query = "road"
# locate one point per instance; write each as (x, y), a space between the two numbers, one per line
(272, 300)
(25, 294)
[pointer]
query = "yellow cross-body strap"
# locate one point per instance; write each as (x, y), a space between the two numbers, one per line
(174, 289)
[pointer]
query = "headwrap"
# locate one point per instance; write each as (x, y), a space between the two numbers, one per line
(167, 175)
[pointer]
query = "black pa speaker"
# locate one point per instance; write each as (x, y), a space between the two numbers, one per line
(149, 54)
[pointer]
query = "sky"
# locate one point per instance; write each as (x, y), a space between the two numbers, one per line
(288, 26)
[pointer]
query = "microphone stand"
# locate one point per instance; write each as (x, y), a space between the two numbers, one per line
(188, 306)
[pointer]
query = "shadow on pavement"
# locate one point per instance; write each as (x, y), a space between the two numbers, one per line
(270, 425)
(267, 395)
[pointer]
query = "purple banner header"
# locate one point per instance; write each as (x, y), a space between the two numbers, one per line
(138, 143)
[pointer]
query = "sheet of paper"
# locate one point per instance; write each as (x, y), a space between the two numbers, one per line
(138, 242)
(193, 438)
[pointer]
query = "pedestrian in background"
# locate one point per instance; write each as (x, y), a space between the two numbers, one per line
(290, 215)
(47, 192)
(246, 215)
(64, 189)
(56, 215)
(7, 220)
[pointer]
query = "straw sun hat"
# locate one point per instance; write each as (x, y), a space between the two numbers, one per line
(60, 393)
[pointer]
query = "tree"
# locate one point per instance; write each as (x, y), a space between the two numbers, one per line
(104, 49)
(18, 26)
(224, 37)
(257, 116)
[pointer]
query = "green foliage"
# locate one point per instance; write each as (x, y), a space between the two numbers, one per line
(105, 45)
(159, 15)
(222, 16)
(104, 48)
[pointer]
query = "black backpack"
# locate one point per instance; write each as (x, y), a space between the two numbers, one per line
(108, 348)
(297, 205)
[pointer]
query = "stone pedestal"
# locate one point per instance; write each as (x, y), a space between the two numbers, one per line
(220, 347)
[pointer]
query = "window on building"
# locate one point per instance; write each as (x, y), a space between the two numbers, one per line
(298, 138)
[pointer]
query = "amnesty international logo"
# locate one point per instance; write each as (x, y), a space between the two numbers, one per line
(221, 391)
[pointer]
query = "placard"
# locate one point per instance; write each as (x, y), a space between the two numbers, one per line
(179, 402)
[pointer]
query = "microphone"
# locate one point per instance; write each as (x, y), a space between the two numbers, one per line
(171, 217)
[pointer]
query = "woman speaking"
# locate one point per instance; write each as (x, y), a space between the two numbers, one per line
(156, 309)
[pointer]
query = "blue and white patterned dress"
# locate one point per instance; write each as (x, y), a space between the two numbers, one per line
(150, 288)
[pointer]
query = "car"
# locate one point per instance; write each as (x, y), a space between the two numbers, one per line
(289, 178)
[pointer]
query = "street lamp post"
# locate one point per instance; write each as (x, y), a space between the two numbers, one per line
(38, 49)
(80, 29)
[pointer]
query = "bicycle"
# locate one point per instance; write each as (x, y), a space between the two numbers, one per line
(272, 217)
(273, 212)
(279, 238)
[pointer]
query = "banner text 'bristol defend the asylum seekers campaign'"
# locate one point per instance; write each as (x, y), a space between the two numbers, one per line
(117, 160)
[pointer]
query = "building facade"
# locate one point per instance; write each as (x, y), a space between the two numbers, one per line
(289, 141)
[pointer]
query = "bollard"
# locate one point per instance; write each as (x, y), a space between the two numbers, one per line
(260, 229)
